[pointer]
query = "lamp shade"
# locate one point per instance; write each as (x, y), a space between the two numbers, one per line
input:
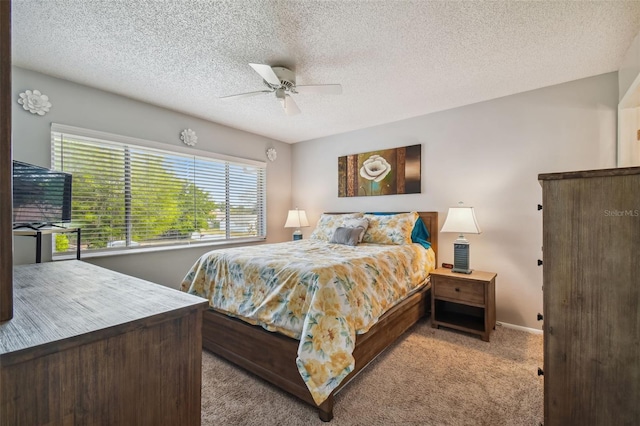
(296, 219)
(461, 220)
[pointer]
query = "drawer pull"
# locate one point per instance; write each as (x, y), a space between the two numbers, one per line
(540, 317)
(540, 372)
(458, 289)
(539, 262)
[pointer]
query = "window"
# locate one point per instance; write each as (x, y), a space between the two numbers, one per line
(128, 193)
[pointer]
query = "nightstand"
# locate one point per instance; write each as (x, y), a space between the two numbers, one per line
(464, 302)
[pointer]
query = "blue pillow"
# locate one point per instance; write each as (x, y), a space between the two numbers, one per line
(420, 233)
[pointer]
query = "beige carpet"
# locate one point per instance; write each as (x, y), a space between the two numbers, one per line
(429, 377)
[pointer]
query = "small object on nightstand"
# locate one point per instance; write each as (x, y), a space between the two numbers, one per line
(447, 265)
(464, 302)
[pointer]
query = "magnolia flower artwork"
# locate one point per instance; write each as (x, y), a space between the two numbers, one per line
(375, 168)
(384, 172)
(34, 102)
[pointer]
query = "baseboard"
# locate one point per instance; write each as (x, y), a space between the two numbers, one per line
(519, 327)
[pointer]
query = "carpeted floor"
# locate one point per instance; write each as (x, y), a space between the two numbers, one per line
(429, 377)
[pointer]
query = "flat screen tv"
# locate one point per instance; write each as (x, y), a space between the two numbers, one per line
(41, 197)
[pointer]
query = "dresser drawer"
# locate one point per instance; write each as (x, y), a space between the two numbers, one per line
(457, 290)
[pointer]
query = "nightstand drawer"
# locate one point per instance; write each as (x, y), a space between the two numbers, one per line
(467, 291)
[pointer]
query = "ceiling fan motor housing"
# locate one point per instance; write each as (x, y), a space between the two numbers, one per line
(286, 76)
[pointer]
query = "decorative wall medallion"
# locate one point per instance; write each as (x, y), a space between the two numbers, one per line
(34, 102)
(189, 137)
(272, 154)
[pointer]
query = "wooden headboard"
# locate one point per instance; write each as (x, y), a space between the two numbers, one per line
(430, 219)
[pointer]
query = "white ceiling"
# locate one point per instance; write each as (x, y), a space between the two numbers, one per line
(394, 59)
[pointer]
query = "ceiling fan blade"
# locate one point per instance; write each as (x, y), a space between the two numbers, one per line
(266, 73)
(330, 89)
(290, 107)
(246, 95)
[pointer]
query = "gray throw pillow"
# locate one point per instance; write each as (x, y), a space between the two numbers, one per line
(346, 236)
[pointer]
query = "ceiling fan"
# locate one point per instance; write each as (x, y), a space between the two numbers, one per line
(282, 82)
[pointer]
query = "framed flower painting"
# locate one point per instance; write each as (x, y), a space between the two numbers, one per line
(383, 172)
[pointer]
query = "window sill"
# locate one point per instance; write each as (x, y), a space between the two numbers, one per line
(127, 251)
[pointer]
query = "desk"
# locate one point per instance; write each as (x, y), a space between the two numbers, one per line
(38, 233)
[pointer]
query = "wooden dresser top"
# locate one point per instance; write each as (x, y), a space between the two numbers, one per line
(621, 171)
(72, 302)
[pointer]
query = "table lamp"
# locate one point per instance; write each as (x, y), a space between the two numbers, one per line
(463, 221)
(297, 219)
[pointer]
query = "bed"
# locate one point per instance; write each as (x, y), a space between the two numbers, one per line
(348, 318)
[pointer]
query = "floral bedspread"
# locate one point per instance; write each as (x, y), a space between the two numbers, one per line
(318, 293)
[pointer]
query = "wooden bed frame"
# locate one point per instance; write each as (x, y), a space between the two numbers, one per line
(272, 356)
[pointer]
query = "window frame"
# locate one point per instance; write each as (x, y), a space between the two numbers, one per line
(111, 138)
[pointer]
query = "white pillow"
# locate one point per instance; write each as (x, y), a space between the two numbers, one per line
(360, 222)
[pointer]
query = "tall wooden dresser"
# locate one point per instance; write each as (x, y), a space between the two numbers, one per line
(591, 246)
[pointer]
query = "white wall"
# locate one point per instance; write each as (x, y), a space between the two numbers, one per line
(489, 156)
(629, 68)
(82, 106)
(629, 106)
(628, 126)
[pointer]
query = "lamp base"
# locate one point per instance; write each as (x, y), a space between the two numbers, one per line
(461, 257)
(297, 235)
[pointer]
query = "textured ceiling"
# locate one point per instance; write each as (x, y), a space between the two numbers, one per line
(394, 59)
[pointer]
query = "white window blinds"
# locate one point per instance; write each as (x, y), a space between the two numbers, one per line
(128, 193)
